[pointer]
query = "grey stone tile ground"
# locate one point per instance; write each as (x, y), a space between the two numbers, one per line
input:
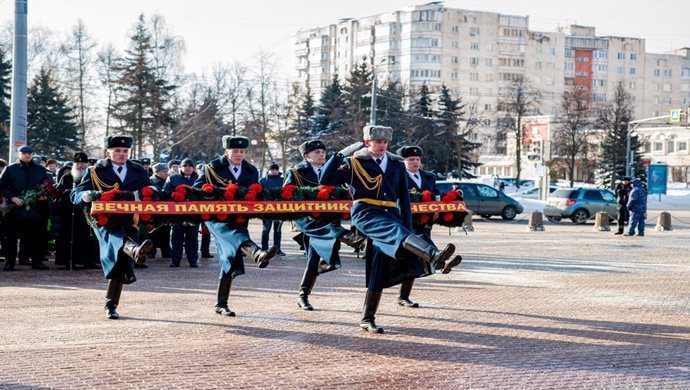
(567, 308)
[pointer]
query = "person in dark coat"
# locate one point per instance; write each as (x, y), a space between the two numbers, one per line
(232, 237)
(381, 211)
(161, 235)
(117, 250)
(28, 222)
(418, 180)
(637, 206)
(184, 235)
(273, 179)
(205, 245)
(76, 244)
(622, 191)
(321, 240)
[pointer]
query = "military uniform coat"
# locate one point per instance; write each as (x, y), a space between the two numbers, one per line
(386, 227)
(76, 242)
(231, 235)
(322, 238)
(116, 265)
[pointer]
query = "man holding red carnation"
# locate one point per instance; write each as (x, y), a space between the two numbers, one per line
(229, 172)
(118, 250)
(381, 211)
(424, 182)
(28, 221)
(321, 239)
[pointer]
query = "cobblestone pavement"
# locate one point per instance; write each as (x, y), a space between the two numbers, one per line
(565, 308)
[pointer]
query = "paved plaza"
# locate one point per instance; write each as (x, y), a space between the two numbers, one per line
(568, 307)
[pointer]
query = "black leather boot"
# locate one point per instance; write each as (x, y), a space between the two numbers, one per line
(371, 304)
(353, 239)
(455, 260)
(222, 308)
(308, 281)
(136, 251)
(255, 253)
(428, 252)
(112, 299)
(404, 298)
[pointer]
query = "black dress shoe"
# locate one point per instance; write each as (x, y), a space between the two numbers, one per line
(8, 267)
(140, 265)
(207, 256)
(40, 266)
(174, 265)
(193, 265)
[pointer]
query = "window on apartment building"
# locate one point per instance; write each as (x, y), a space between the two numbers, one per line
(487, 122)
(454, 75)
(569, 66)
(474, 45)
(621, 56)
(667, 101)
(549, 95)
(631, 85)
(657, 146)
(537, 50)
(488, 77)
(455, 44)
(489, 62)
(474, 76)
(423, 16)
(550, 81)
(667, 72)
(602, 53)
(656, 87)
(552, 51)
(632, 70)
(686, 73)
(582, 59)
(474, 61)
(656, 101)
(598, 68)
(633, 56)
(474, 91)
(667, 87)
(657, 73)
(569, 53)
(474, 31)
(487, 107)
(537, 65)
(581, 73)
(454, 60)
(669, 147)
(455, 29)
(682, 146)
(621, 70)
(536, 80)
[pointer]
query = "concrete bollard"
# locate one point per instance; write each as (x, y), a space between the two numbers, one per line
(601, 222)
(536, 221)
(467, 223)
(664, 222)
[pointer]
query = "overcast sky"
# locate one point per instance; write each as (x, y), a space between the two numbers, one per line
(222, 31)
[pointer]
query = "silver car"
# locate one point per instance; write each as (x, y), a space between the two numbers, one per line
(579, 204)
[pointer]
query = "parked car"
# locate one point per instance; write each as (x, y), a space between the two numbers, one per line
(579, 204)
(533, 193)
(484, 200)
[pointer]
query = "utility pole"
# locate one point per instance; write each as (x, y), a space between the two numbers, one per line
(19, 86)
(372, 115)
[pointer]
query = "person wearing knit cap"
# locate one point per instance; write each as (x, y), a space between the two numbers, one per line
(184, 236)
(381, 210)
(321, 239)
(118, 251)
(173, 167)
(232, 237)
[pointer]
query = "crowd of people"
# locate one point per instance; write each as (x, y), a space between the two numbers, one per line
(379, 182)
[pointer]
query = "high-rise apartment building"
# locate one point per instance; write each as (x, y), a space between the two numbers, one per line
(478, 54)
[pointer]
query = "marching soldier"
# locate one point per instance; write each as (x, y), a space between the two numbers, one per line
(381, 211)
(232, 238)
(118, 250)
(321, 239)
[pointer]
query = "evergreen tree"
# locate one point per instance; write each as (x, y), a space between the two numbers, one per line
(391, 113)
(5, 97)
(302, 114)
(143, 99)
(199, 137)
(422, 131)
(52, 128)
(457, 149)
(357, 94)
(330, 117)
(614, 119)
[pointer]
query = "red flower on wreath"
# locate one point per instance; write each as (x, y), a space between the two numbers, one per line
(221, 217)
(205, 217)
(240, 219)
(251, 195)
(424, 218)
(449, 197)
(145, 217)
(287, 195)
(102, 220)
(228, 195)
(447, 217)
(256, 187)
(426, 196)
(208, 188)
(108, 195)
(181, 188)
(346, 216)
(325, 192)
(146, 191)
(177, 196)
(232, 188)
